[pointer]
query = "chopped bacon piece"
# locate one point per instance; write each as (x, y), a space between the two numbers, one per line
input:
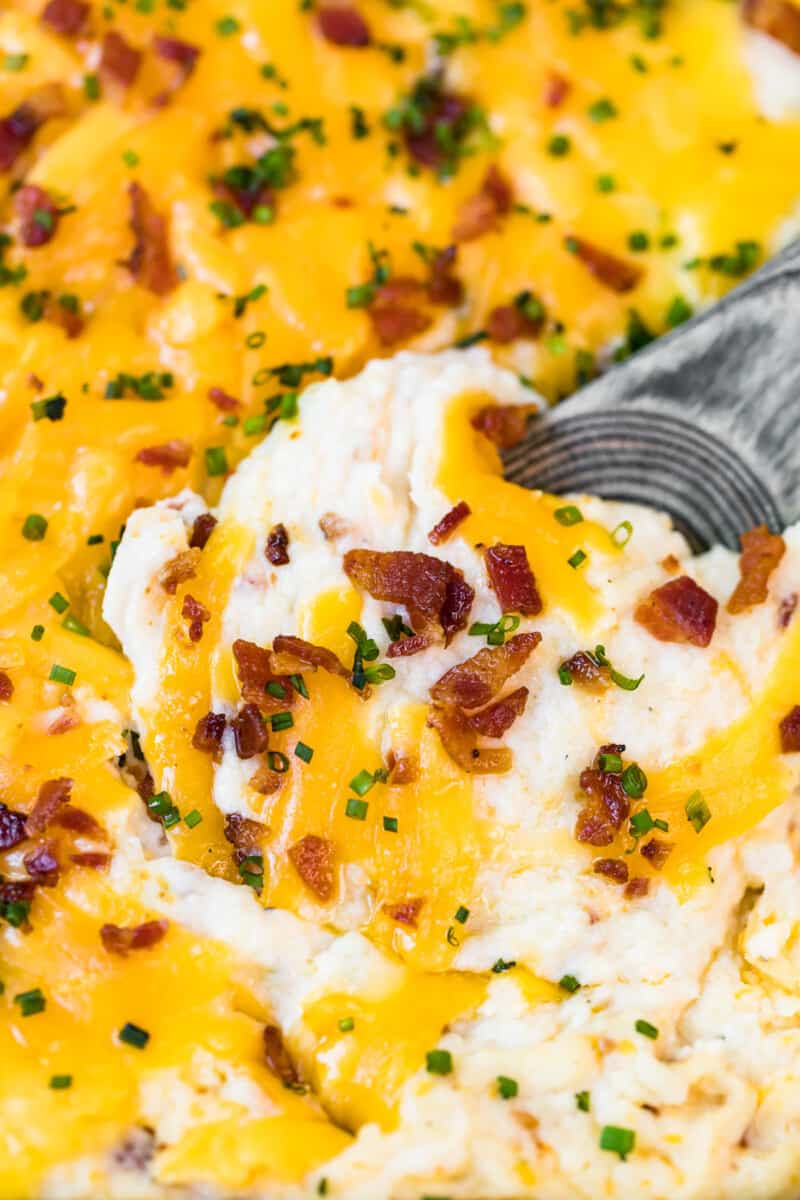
(247, 196)
(342, 25)
(396, 310)
(169, 455)
(119, 61)
(444, 287)
(120, 939)
(406, 647)
(208, 733)
(52, 795)
(779, 19)
(249, 732)
(77, 820)
(584, 670)
(403, 769)
(265, 781)
(508, 322)
(66, 16)
(255, 671)
(182, 57)
(244, 834)
(309, 654)
(17, 130)
(66, 316)
(449, 522)
(431, 589)
(38, 215)
(277, 1057)
(481, 212)
(94, 860)
(615, 273)
(679, 611)
(443, 115)
(473, 683)
(790, 731)
(615, 869)
(42, 865)
(223, 400)
(657, 851)
(196, 614)
(608, 806)
(637, 888)
(150, 262)
(277, 547)
(761, 553)
(498, 718)
(6, 688)
(405, 912)
(786, 611)
(180, 568)
(556, 89)
(503, 424)
(314, 860)
(512, 580)
(17, 891)
(202, 528)
(458, 738)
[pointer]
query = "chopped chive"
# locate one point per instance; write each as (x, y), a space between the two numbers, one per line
(277, 762)
(559, 145)
(304, 752)
(251, 870)
(59, 674)
(439, 1062)
(634, 781)
(30, 1003)
(577, 559)
(507, 1088)
(193, 818)
(52, 407)
(641, 823)
(390, 824)
(58, 602)
(661, 824)
(582, 1101)
(622, 534)
(362, 783)
(134, 1035)
(678, 312)
(346, 1024)
(569, 514)
(357, 809)
(462, 915)
(226, 26)
(15, 62)
(646, 1029)
(617, 1140)
(37, 633)
(254, 425)
(564, 676)
(280, 721)
(276, 689)
(611, 763)
(568, 983)
(299, 685)
(72, 624)
(216, 460)
(91, 87)
(15, 912)
(605, 183)
(638, 241)
(34, 527)
(697, 811)
(502, 965)
(130, 158)
(60, 1082)
(94, 539)
(602, 110)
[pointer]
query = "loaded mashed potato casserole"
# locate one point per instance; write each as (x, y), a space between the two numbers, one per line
(370, 826)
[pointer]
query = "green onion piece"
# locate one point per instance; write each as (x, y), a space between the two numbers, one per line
(605, 183)
(602, 110)
(299, 685)
(59, 674)
(617, 1140)
(357, 809)
(641, 823)
(15, 62)
(697, 811)
(462, 915)
(569, 514)
(634, 781)
(254, 425)
(226, 26)
(193, 818)
(30, 1003)
(134, 1035)
(251, 870)
(564, 676)
(72, 623)
(37, 633)
(390, 824)
(622, 534)
(58, 602)
(479, 629)
(582, 1101)
(611, 763)
(34, 527)
(256, 339)
(646, 1029)
(379, 674)
(91, 87)
(130, 158)
(507, 1088)
(638, 240)
(577, 559)
(304, 752)
(568, 983)
(346, 1024)
(277, 762)
(361, 783)
(280, 721)
(502, 965)
(216, 460)
(662, 825)
(60, 1082)
(623, 681)
(94, 539)
(439, 1062)
(276, 689)
(559, 145)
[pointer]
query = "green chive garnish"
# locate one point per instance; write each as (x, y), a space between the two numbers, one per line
(193, 818)
(60, 1082)
(634, 781)
(617, 1140)
(582, 1101)
(346, 1024)
(30, 1003)
(280, 721)
(72, 624)
(58, 602)
(133, 1035)
(462, 915)
(507, 1088)
(439, 1062)
(59, 674)
(362, 783)
(646, 1029)
(697, 811)
(34, 527)
(37, 633)
(216, 460)
(611, 763)
(568, 983)
(357, 809)
(304, 752)
(569, 514)
(577, 559)
(390, 824)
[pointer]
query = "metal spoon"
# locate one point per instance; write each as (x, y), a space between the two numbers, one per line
(704, 424)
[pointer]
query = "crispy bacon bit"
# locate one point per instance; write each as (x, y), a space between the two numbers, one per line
(444, 287)
(52, 795)
(498, 718)
(406, 647)
(182, 57)
(679, 611)
(244, 834)
(431, 589)
(277, 1057)
(458, 738)
(255, 671)
(38, 215)
(119, 61)
(67, 720)
(66, 16)
(249, 733)
(473, 683)
(121, 939)
(208, 733)
(42, 865)
(786, 611)
(332, 526)
(585, 671)
(482, 212)
(614, 869)
(761, 553)
(6, 688)
(196, 614)
(670, 564)
(277, 547)
(503, 424)
(603, 814)
(512, 580)
(180, 568)
(67, 318)
(342, 25)
(405, 912)
(309, 654)
(779, 19)
(77, 820)
(19, 127)
(395, 310)
(615, 273)
(637, 888)
(17, 891)
(790, 731)
(265, 781)
(314, 860)
(169, 455)
(403, 769)
(449, 522)
(657, 851)
(150, 262)
(202, 528)
(223, 400)
(508, 322)
(93, 860)
(556, 89)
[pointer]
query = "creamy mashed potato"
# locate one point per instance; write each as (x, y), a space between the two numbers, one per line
(586, 1040)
